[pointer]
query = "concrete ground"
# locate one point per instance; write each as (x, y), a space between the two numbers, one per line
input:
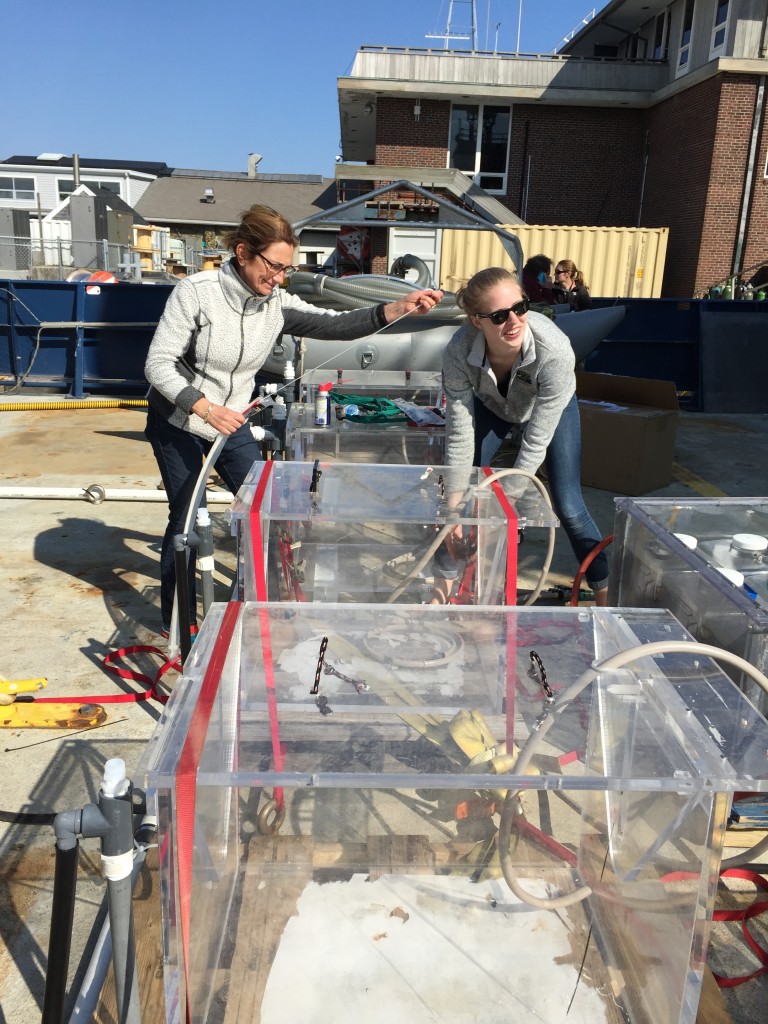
(80, 581)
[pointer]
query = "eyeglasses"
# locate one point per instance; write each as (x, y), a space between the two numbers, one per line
(500, 316)
(277, 268)
(559, 270)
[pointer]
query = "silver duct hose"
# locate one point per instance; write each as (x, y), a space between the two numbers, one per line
(345, 293)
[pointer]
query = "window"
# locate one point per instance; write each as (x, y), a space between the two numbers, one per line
(479, 144)
(661, 36)
(685, 37)
(720, 28)
(17, 188)
(66, 186)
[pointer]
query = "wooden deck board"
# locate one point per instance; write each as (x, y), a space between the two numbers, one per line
(268, 901)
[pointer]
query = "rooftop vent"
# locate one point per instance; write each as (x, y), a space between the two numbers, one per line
(208, 196)
(254, 159)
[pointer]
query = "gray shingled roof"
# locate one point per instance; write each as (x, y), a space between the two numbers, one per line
(178, 200)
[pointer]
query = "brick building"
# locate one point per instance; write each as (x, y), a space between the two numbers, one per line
(653, 115)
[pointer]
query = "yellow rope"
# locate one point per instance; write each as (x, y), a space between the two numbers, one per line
(75, 403)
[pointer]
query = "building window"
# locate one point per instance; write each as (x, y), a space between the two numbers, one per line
(661, 36)
(66, 186)
(685, 37)
(479, 144)
(17, 188)
(720, 27)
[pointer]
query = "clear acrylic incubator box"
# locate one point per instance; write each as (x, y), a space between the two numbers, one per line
(422, 387)
(706, 560)
(455, 814)
(395, 442)
(333, 531)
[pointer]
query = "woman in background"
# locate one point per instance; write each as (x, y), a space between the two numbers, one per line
(509, 367)
(570, 283)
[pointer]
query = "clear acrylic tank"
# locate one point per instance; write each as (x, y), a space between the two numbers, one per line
(385, 742)
(704, 559)
(332, 531)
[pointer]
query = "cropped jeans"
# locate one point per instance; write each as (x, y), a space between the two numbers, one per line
(180, 456)
(563, 466)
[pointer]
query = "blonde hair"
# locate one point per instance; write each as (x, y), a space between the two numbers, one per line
(259, 227)
(570, 268)
(470, 297)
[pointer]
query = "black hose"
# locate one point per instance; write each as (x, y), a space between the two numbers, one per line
(60, 940)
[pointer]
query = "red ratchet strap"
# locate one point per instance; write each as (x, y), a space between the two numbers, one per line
(150, 693)
(260, 577)
(510, 585)
(510, 598)
(186, 777)
(743, 914)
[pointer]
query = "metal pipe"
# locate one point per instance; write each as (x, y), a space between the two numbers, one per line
(60, 940)
(205, 562)
(181, 557)
(746, 194)
(115, 803)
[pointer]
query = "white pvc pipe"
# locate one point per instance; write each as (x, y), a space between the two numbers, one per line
(95, 494)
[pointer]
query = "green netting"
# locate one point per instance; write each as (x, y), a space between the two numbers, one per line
(370, 410)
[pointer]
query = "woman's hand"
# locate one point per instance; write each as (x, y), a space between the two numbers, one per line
(222, 419)
(414, 302)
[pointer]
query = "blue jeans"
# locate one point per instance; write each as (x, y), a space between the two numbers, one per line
(180, 456)
(563, 465)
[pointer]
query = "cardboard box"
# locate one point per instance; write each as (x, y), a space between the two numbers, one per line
(628, 432)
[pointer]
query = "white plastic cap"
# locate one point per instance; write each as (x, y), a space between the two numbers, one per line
(203, 517)
(288, 371)
(114, 776)
(688, 540)
(279, 400)
(733, 575)
(749, 543)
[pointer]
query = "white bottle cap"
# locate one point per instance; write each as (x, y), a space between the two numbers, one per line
(749, 543)
(688, 540)
(733, 575)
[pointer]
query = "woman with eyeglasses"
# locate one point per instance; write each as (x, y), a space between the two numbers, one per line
(510, 367)
(216, 331)
(570, 285)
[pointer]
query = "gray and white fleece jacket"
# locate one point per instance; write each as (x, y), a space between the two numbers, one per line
(541, 386)
(215, 334)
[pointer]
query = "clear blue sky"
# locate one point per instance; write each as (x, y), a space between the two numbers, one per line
(202, 84)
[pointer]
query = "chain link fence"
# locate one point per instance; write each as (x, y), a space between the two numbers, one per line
(55, 258)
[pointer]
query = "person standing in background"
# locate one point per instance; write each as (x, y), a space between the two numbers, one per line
(537, 280)
(570, 283)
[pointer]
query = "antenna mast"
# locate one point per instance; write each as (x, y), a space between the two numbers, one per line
(462, 32)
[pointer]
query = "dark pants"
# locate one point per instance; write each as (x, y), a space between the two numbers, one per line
(563, 465)
(180, 456)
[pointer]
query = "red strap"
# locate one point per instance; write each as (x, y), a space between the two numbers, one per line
(150, 693)
(743, 914)
(510, 598)
(510, 584)
(186, 777)
(260, 575)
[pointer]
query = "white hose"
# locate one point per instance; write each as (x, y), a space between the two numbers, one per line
(95, 494)
(510, 811)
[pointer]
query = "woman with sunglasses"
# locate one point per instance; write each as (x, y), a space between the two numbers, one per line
(570, 285)
(216, 331)
(510, 367)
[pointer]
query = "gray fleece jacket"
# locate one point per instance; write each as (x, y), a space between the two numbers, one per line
(541, 386)
(215, 334)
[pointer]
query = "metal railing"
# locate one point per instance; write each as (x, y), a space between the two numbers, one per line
(55, 258)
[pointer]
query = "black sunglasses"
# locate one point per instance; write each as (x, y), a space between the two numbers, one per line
(500, 316)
